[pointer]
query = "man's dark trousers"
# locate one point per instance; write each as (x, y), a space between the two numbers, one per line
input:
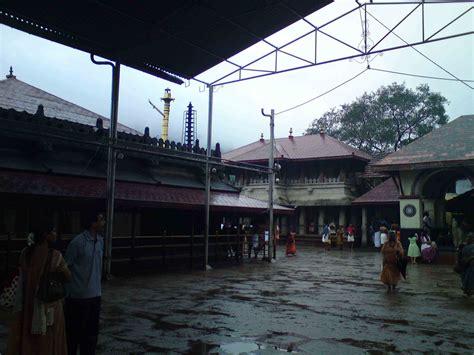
(82, 324)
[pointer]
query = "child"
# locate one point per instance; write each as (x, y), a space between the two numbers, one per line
(413, 250)
(350, 236)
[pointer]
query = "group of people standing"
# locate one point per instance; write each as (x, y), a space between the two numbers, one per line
(330, 233)
(65, 325)
(422, 246)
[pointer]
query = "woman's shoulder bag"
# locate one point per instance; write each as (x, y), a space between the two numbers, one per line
(51, 286)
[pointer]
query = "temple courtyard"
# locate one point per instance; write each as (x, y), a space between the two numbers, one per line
(318, 302)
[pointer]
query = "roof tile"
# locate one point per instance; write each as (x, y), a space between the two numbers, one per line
(384, 193)
(21, 96)
(452, 142)
(317, 146)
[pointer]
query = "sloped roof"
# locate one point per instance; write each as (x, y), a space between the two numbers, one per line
(317, 146)
(21, 96)
(385, 193)
(449, 145)
(167, 196)
(371, 173)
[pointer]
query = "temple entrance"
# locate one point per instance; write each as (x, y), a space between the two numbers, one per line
(445, 196)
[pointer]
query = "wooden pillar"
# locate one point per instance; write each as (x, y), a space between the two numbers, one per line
(133, 241)
(342, 216)
(364, 226)
(284, 225)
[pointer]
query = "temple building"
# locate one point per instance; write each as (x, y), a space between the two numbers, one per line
(319, 177)
(53, 163)
(434, 175)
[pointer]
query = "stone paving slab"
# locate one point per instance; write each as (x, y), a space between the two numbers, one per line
(316, 303)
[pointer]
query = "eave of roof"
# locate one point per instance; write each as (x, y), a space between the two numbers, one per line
(385, 193)
(13, 182)
(168, 39)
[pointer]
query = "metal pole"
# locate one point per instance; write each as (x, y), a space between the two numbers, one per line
(271, 178)
(208, 180)
(111, 166)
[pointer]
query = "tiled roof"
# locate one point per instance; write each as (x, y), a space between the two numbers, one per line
(384, 193)
(21, 96)
(370, 173)
(38, 123)
(451, 143)
(317, 146)
(67, 186)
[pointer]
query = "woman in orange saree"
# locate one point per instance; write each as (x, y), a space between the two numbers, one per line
(391, 251)
(291, 244)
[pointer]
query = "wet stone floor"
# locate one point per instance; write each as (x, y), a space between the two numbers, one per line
(316, 303)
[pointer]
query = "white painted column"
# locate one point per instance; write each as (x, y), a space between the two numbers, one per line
(321, 220)
(301, 222)
(364, 226)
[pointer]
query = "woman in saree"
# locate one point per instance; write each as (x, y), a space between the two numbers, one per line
(428, 248)
(291, 244)
(391, 251)
(38, 327)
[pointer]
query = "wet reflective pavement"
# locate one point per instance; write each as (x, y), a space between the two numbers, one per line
(316, 302)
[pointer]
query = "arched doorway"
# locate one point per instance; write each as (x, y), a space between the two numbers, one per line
(435, 188)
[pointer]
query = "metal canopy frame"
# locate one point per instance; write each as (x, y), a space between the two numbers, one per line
(365, 52)
(168, 39)
(248, 70)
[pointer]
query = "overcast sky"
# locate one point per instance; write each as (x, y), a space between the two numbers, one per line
(69, 74)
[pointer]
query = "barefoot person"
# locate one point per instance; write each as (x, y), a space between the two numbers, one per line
(391, 251)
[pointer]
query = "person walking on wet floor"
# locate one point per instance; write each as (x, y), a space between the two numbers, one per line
(413, 249)
(392, 250)
(291, 244)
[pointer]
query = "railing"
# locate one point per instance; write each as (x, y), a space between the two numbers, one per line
(163, 249)
(298, 181)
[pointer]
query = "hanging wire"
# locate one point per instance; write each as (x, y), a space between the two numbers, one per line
(416, 50)
(419, 76)
(90, 161)
(324, 93)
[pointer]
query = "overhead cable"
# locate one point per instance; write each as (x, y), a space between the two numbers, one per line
(419, 76)
(425, 56)
(324, 93)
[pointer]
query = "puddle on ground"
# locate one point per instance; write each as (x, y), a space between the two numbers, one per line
(240, 347)
(199, 347)
(235, 348)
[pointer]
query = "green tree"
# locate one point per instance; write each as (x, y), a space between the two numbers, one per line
(385, 120)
